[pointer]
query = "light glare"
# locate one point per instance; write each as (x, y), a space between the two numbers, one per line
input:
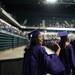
(51, 1)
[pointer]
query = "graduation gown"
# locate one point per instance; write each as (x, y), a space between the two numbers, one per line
(37, 62)
(67, 57)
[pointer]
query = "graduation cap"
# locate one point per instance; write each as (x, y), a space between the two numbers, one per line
(33, 34)
(61, 34)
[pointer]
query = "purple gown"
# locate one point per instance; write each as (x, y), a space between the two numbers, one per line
(37, 62)
(67, 57)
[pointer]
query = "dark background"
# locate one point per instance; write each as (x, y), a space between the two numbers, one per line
(36, 10)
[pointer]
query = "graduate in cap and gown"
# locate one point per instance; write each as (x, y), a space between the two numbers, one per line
(67, 55)
(37, 61)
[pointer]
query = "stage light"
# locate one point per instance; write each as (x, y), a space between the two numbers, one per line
(51, 1)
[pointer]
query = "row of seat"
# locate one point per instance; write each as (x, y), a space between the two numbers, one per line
(11, 41)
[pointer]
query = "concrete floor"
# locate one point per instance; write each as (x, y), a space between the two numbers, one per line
(12, 53)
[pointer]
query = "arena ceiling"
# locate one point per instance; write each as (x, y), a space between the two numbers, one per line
(33, 9)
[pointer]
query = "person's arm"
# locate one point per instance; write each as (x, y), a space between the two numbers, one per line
(57, 49)
(51, 63)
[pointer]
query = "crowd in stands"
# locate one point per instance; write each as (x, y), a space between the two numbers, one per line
(57, 24)
(53, 23)
(9, 28)
(61, 25)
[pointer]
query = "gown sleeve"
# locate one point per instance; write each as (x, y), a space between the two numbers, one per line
(49, 63)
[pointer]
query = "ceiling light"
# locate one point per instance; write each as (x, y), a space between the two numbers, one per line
(51, 1)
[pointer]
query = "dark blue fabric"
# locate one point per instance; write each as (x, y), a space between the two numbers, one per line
(37, 62)
(67, 57)
(55, 64)
(70, 48)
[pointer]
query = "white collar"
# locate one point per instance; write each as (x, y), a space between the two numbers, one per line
(48, 50)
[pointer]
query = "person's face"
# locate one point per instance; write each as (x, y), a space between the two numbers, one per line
(39, 39)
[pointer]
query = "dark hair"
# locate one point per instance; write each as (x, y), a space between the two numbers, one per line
(34, 36)
(64, 38)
